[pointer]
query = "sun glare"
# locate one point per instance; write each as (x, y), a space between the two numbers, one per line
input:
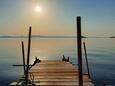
(38, 9)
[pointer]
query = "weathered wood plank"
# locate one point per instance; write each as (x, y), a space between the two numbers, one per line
(59, 80)
(60, 77)
(56, 74)
(53, 70)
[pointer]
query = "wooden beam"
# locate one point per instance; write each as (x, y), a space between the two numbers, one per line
(79, 50)
(23, 55)
(86, 59)
(28, 55)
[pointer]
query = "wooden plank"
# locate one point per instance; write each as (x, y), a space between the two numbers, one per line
(53, 69)
(59, 80)
(52, 64)
(60, 77)
(56, 74)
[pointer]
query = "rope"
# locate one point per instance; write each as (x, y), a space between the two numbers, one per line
(21, 82)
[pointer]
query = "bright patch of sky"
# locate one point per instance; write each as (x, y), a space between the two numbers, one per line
(58, 17)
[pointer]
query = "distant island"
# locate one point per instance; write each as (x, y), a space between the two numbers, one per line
(40, 36)
(12, 36)
(56, 36)
(112, 37)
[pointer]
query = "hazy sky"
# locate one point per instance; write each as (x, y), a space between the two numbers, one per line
(57, 17)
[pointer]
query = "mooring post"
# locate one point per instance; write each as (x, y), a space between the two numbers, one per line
(86, 59)
(23, 55)
(28, 55)
(79, 50)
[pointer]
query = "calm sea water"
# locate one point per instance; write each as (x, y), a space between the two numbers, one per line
(101, 56)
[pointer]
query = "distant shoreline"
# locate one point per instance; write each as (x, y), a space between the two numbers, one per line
(40, 36)
(35, 36)
(112, 37)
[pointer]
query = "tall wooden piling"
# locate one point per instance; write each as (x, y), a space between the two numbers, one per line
(28, 54)
(23, 55)
(86, 59)
(79, 45)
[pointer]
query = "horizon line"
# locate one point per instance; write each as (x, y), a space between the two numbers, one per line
(52, 36)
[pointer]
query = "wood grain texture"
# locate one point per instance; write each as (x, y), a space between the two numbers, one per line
(56, 73)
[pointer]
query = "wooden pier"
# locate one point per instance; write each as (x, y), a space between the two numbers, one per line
(56, 73)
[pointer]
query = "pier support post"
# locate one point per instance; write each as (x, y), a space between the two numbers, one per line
(79, 50)
(86, 60)
(28, 55)
(23, 54)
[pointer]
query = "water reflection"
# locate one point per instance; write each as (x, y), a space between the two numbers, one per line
(100, 51)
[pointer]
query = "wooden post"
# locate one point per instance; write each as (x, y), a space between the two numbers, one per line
(86, 59)
(23, 55)
(79, 45)
(28, 55)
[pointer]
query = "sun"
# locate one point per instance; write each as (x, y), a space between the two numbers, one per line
(38, 9)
